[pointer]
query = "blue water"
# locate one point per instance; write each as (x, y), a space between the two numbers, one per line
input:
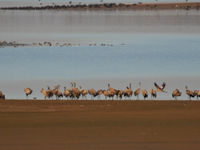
(158, 46)
(147, 56)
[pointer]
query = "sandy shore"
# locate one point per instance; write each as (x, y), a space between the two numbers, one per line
(46, 125)
(120, 6)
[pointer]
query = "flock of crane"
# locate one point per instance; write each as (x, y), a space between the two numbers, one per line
(110, 93)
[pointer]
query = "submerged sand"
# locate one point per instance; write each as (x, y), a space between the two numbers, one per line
(61, 125)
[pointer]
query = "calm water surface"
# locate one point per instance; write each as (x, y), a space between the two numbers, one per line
(159, 46)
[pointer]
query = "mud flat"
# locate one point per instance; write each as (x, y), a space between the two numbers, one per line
(112, 125)
(120, 6)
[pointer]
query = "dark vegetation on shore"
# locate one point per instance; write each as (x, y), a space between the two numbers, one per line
(112, 6)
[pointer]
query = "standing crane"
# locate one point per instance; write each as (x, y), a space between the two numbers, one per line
(145, 94)
(28, 92)
(137, 92)
(176, 93)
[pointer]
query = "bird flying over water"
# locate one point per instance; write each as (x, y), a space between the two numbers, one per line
(160, 88)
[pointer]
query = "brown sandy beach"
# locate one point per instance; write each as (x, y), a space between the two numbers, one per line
(46, 125)
(114, 6)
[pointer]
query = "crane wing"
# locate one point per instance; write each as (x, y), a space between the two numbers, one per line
(163, 85)
(160, 89)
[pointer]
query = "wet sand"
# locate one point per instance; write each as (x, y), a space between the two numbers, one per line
(46, 125)
(113, 6)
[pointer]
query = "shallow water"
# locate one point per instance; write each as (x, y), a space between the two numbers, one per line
(94, 26)
(159, 46)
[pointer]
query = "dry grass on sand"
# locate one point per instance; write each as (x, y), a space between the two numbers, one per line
(89, 125)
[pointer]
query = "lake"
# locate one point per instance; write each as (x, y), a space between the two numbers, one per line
(144, 46)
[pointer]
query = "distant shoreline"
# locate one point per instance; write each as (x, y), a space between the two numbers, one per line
(113, 6)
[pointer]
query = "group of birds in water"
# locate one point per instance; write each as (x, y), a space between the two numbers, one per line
(110, 93)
